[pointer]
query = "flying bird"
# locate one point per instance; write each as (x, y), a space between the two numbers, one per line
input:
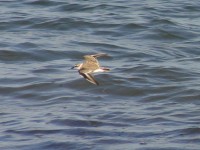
(90, 66)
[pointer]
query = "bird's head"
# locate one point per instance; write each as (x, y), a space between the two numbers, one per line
(77, 66)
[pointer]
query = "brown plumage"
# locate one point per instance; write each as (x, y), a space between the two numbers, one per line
(89, 66)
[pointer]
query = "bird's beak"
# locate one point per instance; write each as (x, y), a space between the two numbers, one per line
(73, 67)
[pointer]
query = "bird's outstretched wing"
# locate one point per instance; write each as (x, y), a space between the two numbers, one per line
(89, 77)
(91, 61)
(99, 55)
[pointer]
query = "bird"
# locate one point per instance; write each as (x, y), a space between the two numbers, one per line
(90, 66)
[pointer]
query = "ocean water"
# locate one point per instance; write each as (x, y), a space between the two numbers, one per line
(148, 101)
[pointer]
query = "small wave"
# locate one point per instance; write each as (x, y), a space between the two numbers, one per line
(43, 3)
(69, 24)
(13, 56)
(71, 7)
(15, 24)
(163, 21)
(74, 7)
(85, 123)
(104, 45)
(131, 26)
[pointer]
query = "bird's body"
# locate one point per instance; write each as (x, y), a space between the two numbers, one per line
(89, 66)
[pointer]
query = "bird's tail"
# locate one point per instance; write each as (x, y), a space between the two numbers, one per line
(105, 69)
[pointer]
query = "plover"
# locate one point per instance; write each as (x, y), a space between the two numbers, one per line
(89, 66)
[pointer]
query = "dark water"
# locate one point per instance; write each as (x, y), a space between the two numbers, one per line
(148, 101)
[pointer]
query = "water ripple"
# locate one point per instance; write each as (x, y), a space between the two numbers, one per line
(148, 100)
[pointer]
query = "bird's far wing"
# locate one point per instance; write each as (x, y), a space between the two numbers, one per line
(90, 58)
(90, 62)
(99, 55)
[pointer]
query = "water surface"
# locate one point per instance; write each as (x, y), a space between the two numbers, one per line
(148, 101)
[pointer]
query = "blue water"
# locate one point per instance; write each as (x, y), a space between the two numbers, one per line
(148, 101)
